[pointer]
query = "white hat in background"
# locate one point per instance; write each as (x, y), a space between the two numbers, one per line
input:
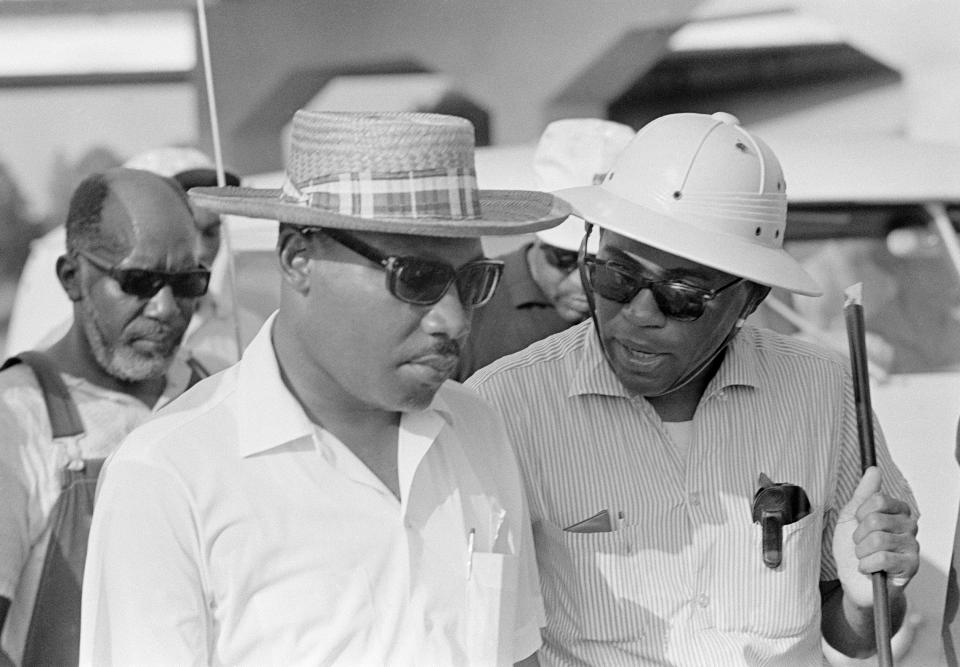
(188, 166)
(576, 152)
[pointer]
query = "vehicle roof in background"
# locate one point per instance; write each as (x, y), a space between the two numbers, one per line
(866, 169)
(856, 169)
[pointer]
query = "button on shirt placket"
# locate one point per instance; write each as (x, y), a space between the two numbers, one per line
(700, 504)
(698, 514)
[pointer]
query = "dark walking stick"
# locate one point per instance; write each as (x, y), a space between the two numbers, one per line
(853, 314)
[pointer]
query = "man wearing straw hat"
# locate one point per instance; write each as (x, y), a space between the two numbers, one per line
(331, 499)
(663, 428)
(541, 293)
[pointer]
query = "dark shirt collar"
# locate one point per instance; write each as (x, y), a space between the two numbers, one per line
(517, 281)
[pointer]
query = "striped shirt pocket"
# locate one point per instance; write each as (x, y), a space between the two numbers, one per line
(780, 602)
(595, 584)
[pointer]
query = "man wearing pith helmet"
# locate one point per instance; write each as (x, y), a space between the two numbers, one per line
(331, 499)
(653, 436)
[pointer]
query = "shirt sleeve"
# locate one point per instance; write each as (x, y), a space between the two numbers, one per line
(893, 483)
(144, 600)
(530, 612)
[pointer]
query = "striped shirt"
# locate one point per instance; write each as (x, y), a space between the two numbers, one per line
(679, 576)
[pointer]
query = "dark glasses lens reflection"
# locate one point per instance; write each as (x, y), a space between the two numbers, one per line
(674, 299)
(423, 282)
(144, 283)
(477, 282)
(420, 281)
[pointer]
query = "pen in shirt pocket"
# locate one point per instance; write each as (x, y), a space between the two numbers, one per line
(471, 536)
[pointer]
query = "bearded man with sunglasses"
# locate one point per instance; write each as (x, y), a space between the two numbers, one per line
(332, 498)
(133, 274)
(653, 435)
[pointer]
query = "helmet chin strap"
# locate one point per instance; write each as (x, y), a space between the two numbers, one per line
(688, 376)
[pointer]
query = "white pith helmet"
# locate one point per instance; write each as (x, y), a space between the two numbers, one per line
(700, 187)
(573, 152)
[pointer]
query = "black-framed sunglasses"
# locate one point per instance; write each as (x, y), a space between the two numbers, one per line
(145, 283)
(423, 282)
(560, 258)
(675, 299)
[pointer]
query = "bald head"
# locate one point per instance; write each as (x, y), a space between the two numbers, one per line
(112, 212)
(128, 228)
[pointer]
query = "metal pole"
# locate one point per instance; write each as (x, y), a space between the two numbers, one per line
(947, 234)
(226, 245)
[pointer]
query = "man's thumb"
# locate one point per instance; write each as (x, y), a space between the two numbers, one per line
(869, 485)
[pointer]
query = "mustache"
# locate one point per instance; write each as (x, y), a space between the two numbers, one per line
(441, 346)
(446, 347)
(153, 331)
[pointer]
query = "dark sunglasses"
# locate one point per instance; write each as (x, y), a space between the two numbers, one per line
(675, 299)
(145, 283)
(559, 258)
(423, 282)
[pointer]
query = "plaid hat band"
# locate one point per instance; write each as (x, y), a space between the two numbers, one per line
(442, 193)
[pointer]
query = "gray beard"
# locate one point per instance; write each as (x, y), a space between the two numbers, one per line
(120, 360)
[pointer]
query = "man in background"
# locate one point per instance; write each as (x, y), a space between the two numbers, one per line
(41, 312)
(541, 293)
(133, 274)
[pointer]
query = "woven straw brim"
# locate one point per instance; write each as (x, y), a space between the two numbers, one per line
(504, 212)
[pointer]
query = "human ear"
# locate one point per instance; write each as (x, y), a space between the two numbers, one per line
(68, 273)
(758, 294)
(295, 252)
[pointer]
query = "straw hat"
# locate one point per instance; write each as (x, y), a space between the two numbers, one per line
(407, 173)
(188, 166)
(573, 152)
(700, 187)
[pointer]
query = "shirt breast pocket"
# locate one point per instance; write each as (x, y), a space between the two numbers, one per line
(491, 605)
(781, 601)
(594, 584)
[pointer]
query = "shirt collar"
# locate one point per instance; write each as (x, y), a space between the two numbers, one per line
(269, 415)
(741, 363)
(593, 375)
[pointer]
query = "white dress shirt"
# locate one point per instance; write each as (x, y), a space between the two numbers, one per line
(233, 530)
